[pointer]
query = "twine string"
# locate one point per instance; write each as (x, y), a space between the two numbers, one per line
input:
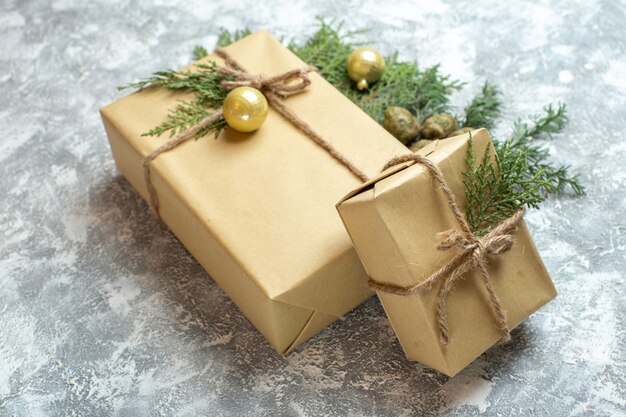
(473, 251)
(473, 255)
(275, 88)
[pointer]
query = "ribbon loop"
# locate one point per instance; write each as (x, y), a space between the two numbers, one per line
(286, 84)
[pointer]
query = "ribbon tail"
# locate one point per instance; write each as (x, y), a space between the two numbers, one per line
(167, 146)
(442, 317)
(500, 314)
(442, 300)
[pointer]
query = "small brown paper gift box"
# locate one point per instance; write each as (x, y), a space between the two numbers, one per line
(258, 210)
(394, 220)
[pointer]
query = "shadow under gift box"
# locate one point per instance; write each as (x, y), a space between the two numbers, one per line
(393, 221)
(258, 210)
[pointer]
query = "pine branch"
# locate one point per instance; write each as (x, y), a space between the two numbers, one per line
(522, 141)
(204, 82)
(495, 192)
(328, 49)
(226, 37)
(199, 52)
(522, 176)
(403, 84)
(553, 121)
(484, 109)
(184, 116)
(432, 92)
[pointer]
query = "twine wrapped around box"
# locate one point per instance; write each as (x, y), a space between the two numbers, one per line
(274, 88)
(498, 241)
(257, 209)
(473, 256)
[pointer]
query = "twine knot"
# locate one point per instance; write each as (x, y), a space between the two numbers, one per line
(275, 89)
(283, 85)
(473, 254)
(453, 238)
(491, 244)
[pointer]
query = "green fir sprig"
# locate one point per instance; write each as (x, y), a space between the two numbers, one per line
(404, 84)
(328, 50)
(226, 37)
(522, 174)
(179, 119)
(484, 109)
(524, 139)
(199, 52)
(423, 92)
(499, 186)
(184, 116)
(204, 82)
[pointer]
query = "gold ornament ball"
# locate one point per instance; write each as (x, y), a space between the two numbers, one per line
(245, 109)
(365, 67)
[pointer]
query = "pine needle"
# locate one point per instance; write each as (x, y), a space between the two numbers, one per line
(225, 37)
(522, 175)
(199, 52)
(484, 109)
(523, 141)
(494, 192)
(204, 82)
(422, 92)
(187, 114)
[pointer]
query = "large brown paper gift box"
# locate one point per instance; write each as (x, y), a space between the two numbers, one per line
(393, 221)
(258, 210)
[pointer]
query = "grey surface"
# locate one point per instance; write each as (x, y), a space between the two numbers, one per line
(103, 312)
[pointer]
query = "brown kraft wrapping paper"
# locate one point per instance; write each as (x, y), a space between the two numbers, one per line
(393, 221)
(258, 210)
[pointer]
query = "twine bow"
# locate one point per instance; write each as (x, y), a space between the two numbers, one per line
(473, 255)
(274, 88)
(283, 85)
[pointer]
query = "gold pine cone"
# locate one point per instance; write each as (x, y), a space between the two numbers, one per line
(401, 124)
(461, 131)
(420, 144)
(438, 126)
